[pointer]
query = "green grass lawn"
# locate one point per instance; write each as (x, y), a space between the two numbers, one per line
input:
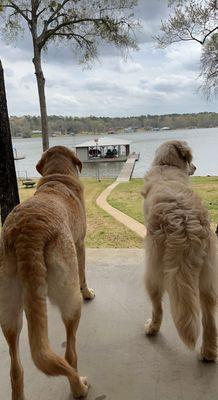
(207, 188)
(127, 197)
(102, 229)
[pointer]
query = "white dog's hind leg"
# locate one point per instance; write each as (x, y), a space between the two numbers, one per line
(208, 298)
(155, 291)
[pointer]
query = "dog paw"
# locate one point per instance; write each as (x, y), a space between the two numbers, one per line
(150, 329)
(88, 294)
(83, 388)
(207, 356)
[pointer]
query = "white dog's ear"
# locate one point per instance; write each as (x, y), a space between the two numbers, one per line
(146, 188)
(183, 151)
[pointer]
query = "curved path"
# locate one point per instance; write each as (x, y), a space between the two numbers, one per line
(131, 223)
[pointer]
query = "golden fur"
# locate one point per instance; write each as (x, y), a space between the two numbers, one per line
(181, 254)
(43, 254)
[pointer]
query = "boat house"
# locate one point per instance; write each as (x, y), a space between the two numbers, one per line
(103, 150)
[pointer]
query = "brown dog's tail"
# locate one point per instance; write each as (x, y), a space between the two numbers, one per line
(32, 272)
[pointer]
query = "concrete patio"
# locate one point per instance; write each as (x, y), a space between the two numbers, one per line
(113, 352)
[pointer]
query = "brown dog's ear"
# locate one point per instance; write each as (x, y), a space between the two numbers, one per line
(183, 151)
(77, 161)
(40, 164)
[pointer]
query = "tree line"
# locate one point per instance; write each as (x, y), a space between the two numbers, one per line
(27, 126)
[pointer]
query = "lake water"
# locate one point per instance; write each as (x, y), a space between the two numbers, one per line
(204, 144)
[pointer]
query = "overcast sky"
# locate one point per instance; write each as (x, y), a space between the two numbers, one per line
(150, 81)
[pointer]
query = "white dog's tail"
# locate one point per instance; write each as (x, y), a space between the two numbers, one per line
(182, 283)
(183, 235)
(185, 253)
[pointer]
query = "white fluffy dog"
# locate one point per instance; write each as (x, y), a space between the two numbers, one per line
(180, 249)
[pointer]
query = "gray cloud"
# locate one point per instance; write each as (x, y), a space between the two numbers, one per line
(173, 85)
(152, 10)
(106, 87)
(28, 79)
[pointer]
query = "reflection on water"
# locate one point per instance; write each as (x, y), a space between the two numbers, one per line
(204, 143)
(102, 169)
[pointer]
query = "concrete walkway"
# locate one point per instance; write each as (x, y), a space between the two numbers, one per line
(120, 362)
(131, 223)
(124, 176)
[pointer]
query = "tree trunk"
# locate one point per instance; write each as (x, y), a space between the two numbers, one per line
(42, 101)
(9, 196)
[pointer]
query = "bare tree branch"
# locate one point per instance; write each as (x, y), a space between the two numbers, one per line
(82, 22)
(18, 10)
(194, 20)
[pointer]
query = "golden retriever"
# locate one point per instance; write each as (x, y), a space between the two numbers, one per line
(43, 254)
(181, 255)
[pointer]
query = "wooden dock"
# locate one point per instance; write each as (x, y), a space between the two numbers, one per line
(127, 170)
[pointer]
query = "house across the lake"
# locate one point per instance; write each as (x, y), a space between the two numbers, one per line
(103, 150)
(105, 157)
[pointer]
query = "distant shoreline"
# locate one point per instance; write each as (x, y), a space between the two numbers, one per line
(59, 125)
(119, 132)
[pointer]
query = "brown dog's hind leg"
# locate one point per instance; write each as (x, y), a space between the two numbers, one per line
(71, 318)
(12, 336)
(71, 326)
(64, 292)
(11, 320)
(87, 293)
